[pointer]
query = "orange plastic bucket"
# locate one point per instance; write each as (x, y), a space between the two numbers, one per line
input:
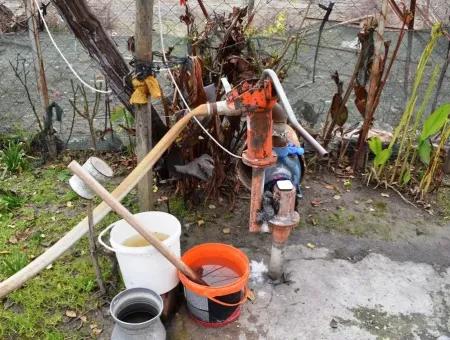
(214, 305)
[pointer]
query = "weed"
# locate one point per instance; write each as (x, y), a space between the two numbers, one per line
(64, 175)
(405, 168)
(9, 200)
(13, 263)
(178, 207)
(13, 157)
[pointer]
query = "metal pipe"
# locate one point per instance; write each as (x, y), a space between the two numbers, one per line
(256, 198)
(281, 225)
(291, 116)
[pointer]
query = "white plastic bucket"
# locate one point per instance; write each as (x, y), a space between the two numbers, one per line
(144, 266)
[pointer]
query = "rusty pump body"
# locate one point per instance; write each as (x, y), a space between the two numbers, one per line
(258, 100)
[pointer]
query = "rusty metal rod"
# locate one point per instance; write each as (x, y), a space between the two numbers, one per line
(256, 198)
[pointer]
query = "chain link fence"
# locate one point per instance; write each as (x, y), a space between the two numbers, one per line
(274, 21)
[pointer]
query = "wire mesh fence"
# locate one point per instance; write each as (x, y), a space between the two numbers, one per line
(273, 23)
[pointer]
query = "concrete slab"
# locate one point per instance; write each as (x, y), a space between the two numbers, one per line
(330, 298)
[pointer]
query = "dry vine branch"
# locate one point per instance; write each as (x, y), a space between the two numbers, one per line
(87, 113)
(21, 75)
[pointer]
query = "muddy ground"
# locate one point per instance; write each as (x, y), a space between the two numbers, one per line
(362, 264)
(364, 258)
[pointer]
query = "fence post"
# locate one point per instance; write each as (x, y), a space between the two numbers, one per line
(143, 54)
(33, 32)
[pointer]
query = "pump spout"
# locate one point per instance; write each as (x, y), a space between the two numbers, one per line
(269, 73)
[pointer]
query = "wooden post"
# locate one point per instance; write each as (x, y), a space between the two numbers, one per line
(33, 32)
(93, 248)
(143, 53)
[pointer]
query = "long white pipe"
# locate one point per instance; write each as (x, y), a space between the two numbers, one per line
(291, 116)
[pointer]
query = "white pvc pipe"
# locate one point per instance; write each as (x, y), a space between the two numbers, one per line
(291, 116)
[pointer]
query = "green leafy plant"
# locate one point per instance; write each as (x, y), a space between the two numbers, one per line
(438, 122)
(278, 27)
(405, 129)
(412, 134)
(121, 115)
(13, 157)
(410, 147)
(432, 125)
(381, 155)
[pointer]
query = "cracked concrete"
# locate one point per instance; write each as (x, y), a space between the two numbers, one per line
(374, 297)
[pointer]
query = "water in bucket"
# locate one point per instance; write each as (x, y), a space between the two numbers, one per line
(139, 241)
(142, 265)
(216, 275)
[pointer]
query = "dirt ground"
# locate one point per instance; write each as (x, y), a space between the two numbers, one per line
(360, 256)
(348, 232)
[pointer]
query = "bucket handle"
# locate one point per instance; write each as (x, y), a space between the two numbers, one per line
(248, 295)
(100, 238)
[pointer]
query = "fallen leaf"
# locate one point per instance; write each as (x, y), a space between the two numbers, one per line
(200, 222)
(310, 245)
(69, 204)
(71, 314)
(369, 201)
(96, 331)
(83, 318)
(211, 206)
(23, 235)
(93, 325)
(53, 218)
(337, 197)
(315, 202)
(50, 267)
(3, 252)
(13, 240)
(371, 209)
(226, 230)
(347, 184)
(329, 186)
(384, 194)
